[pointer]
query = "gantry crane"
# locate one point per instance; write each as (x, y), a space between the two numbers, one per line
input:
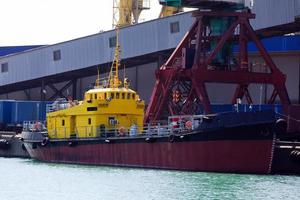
(205, 55)
(127, 12)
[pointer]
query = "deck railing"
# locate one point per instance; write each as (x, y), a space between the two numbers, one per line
(34, 126)
(176, 125)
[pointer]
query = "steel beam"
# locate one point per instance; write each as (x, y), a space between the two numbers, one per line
(198, 40)
(59, 92)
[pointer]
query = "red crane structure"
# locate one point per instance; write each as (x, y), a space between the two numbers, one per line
(205, 55)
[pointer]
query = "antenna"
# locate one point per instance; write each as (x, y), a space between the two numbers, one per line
(124, 73)
(114, 81)
(97, 82)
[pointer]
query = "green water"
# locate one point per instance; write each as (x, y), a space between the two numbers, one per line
(24, 179)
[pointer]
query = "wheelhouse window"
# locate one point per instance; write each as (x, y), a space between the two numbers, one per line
(128, 95)
(123, 95)
(63, 122)
(133, 96)
(89, 121)
(105, 96)
(117, 95)
(95, 96)
(112, 95)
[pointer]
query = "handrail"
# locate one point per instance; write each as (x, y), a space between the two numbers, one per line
(98, 132)
(34, 126)
(173, 126)
(177, 125)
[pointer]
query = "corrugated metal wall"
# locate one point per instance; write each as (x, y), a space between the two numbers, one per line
(16, 49)
(297, 8)
(136, 40)
(273, 12)
(142, 80)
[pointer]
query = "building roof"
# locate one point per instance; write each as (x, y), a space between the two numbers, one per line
(7, 50)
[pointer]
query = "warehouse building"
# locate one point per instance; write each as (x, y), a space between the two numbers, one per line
(70, 68)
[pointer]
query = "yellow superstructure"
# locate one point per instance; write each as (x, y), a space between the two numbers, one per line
(109, 108)
(114, 107)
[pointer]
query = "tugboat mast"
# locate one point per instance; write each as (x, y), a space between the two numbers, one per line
(114, 81)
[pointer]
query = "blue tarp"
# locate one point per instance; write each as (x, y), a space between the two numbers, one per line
(16, 49)
(276, 44)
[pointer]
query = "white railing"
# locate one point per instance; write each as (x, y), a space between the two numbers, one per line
(58, 104)
(176, 125)
(34, 126)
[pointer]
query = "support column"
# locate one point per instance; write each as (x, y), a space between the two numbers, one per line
(74, 89)
(27, 93)
(43, 91)
(160, 61)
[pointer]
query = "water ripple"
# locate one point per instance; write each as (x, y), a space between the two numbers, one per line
(31, 180)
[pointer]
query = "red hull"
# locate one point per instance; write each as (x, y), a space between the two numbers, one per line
(239, 156)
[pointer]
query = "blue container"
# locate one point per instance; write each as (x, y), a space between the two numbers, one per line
(5, 111)
(28, 111)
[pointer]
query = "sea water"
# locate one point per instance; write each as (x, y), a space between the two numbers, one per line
(25, 179)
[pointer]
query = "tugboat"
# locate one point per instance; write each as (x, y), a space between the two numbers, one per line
(106, 128)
